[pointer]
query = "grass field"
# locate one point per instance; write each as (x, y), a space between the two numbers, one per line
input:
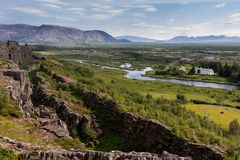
(219, 114)
(9, 126)
(169, 90)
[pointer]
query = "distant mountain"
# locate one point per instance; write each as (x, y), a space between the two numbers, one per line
(204, 39)
(136, 39)
(46, 34)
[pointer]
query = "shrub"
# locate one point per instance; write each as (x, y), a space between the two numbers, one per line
(181, 98)
(6, 109)
(88, 133)
(70, 143)
(149, 96)
(234, 127)
(7, 155)
(84, 72)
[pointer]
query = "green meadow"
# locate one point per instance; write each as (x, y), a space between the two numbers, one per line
(219, 114)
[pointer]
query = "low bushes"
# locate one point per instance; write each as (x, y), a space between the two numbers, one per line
(182, 98)
(7, 155)
(6, 109)
(70, 143)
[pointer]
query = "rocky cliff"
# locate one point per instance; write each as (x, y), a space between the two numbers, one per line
(17, 84)
(74, 121)
(143, 135)
(21, 55)
(147, 135)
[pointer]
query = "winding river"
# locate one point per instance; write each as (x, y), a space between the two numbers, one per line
(139, 75)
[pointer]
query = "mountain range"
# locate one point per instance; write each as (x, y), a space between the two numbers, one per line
(52, 34)
(46, 34)
(136, 39)
(204, 39)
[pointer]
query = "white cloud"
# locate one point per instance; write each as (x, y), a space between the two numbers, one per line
(171, 21)
(30, 10)
(2, 16)
(56, 2)
(141, 15)
(54, 6)
(150, 9)
(101, 17)
(104, 12)
(220, 5)
(234, 18)
(107, 14)
(76, 9)
(66, 18)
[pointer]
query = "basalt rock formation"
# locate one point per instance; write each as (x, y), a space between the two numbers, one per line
(144, 135)
(33, 152)
(147, 135)
(21, 55)
(17, 84)
(74, 121)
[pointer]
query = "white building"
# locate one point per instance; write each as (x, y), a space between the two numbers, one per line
(126, 66)
(204, 71)
(182, 69)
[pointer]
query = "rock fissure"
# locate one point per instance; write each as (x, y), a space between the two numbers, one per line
(147, 135)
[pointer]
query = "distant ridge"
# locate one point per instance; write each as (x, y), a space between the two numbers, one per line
(204, 39)
(136, 39)
(53, 34)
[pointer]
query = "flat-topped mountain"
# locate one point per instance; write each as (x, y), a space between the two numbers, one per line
(45, 34)
(204, 39)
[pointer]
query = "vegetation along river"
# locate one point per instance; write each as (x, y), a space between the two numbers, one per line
(139, 75)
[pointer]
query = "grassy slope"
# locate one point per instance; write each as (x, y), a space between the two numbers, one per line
(19, 129)
(219, 114)
(115, 79)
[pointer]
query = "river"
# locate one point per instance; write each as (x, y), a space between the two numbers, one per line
(139, 75)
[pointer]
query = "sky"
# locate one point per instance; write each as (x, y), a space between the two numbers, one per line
(158, 19)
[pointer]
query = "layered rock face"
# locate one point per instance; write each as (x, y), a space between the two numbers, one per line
(74, 121)
(93, 155)
(33, 152)
(17, 85)
(21, 55)
(147, 135)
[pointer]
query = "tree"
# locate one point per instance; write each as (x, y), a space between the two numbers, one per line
(234, 127)
(192, 71)
(221, 70)
(227, 70)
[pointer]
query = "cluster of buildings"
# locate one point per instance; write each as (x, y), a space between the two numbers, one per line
(204, 71)
(126, 66)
